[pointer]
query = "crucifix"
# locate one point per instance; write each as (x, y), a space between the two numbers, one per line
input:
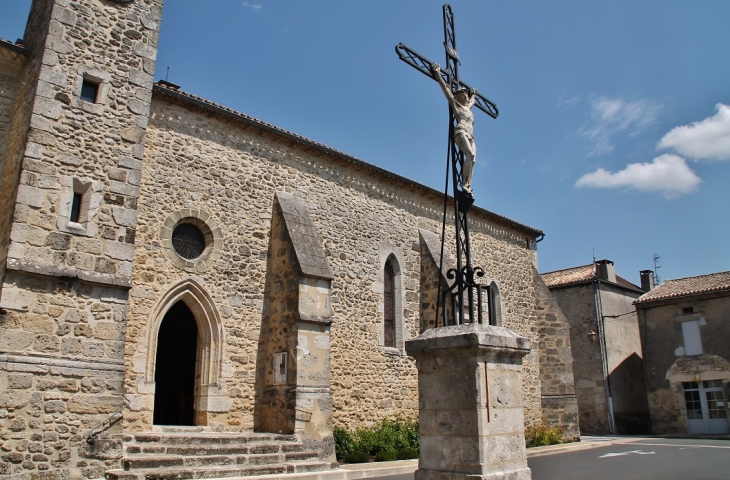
(463, 298)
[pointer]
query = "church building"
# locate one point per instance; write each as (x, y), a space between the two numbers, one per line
(176, 271)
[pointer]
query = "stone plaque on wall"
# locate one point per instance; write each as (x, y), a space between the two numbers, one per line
(280, 368)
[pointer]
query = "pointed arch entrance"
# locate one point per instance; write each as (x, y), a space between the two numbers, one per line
(177, 346)
(185, 328)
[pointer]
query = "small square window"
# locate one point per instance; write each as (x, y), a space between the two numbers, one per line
(89, 91)
(688, 310)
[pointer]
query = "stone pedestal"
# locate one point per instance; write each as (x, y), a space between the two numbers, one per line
(470, 403)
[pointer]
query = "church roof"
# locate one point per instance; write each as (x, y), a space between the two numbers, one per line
(580, 275)
(683, 287)
(14, 46)
(170, 91)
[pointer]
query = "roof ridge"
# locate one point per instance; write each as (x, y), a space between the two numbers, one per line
(694, 276)
(566, 269)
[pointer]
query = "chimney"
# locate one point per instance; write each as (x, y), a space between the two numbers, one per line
(606, 271)
(647, 280)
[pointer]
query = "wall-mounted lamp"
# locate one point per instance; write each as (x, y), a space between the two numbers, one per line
(592, 335)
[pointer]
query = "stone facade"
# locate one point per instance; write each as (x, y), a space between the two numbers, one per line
(65, 284)
(558, 400)
(669, 366)
(612, 361)
(295, 236)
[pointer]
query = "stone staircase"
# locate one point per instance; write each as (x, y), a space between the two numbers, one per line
(178, 453)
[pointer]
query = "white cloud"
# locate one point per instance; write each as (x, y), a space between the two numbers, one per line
(611, 116)
(668, 174)
(253, 6)
(708, 139)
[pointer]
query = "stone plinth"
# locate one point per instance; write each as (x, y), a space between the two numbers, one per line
(470, 403)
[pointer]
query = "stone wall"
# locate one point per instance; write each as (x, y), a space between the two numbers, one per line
(60, 375)
(231, 173)
(624, 365)
(667, 366)
(65, 283)
(559, 403)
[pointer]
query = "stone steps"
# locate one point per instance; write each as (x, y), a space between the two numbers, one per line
(220, 472)
(191, 453)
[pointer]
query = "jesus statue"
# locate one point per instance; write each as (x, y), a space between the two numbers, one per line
(461, 102)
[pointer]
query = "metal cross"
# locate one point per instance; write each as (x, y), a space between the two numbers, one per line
(461, 300)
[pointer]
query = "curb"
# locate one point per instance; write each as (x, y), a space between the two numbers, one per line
(356, 471)
(569, 447)
(347, 472)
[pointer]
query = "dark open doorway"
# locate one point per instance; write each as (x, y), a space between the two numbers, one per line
(177, 343)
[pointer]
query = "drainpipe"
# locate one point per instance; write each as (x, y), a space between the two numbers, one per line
(604, 358)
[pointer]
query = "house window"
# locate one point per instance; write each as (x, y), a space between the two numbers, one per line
(75, 208)
(688, 310)
(692, 338)
(89, 91)
(388, 305)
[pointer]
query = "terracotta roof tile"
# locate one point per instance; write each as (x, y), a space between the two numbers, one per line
(173, 91)
(18, 47)
(578, 275)
(682, 287)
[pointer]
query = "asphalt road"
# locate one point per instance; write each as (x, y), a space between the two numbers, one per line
(644, 459)
(641, 459)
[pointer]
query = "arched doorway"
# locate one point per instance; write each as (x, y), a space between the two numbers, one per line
(175, 363)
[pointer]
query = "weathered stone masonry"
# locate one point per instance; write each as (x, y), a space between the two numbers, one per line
(64, 288)
(296, 238)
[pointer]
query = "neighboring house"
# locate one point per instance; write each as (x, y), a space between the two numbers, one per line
(604, 337)
(685, 326)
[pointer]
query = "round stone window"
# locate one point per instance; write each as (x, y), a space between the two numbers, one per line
(188, 241)
(192, 239)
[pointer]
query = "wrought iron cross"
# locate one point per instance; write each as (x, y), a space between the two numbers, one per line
(463, 298)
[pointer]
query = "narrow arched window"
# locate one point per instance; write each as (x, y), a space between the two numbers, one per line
(389, 305)
(495, 305)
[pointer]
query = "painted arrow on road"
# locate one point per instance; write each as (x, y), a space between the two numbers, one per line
(635, 452)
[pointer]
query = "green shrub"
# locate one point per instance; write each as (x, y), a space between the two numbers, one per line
(407, 454)
(389, 435)
(385, 456)
(357, 457)
(344, 442)
(539, 436)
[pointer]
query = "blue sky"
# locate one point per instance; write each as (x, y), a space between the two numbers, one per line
(614, 127)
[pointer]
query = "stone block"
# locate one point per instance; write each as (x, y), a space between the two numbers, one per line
(15, 340)
(32, 196)
(130, 163)
(125, 216)
(133, 134)
(48, 108)
(124, 189)
(15, 299)
(119, 251)
(69, 159)
(38, 323)
(109, 331)
(19, 381)
(14, 399)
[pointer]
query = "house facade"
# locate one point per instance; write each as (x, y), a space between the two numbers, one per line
(606, 347)
(685, 333)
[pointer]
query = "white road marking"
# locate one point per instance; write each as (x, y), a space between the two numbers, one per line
(636, 452)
